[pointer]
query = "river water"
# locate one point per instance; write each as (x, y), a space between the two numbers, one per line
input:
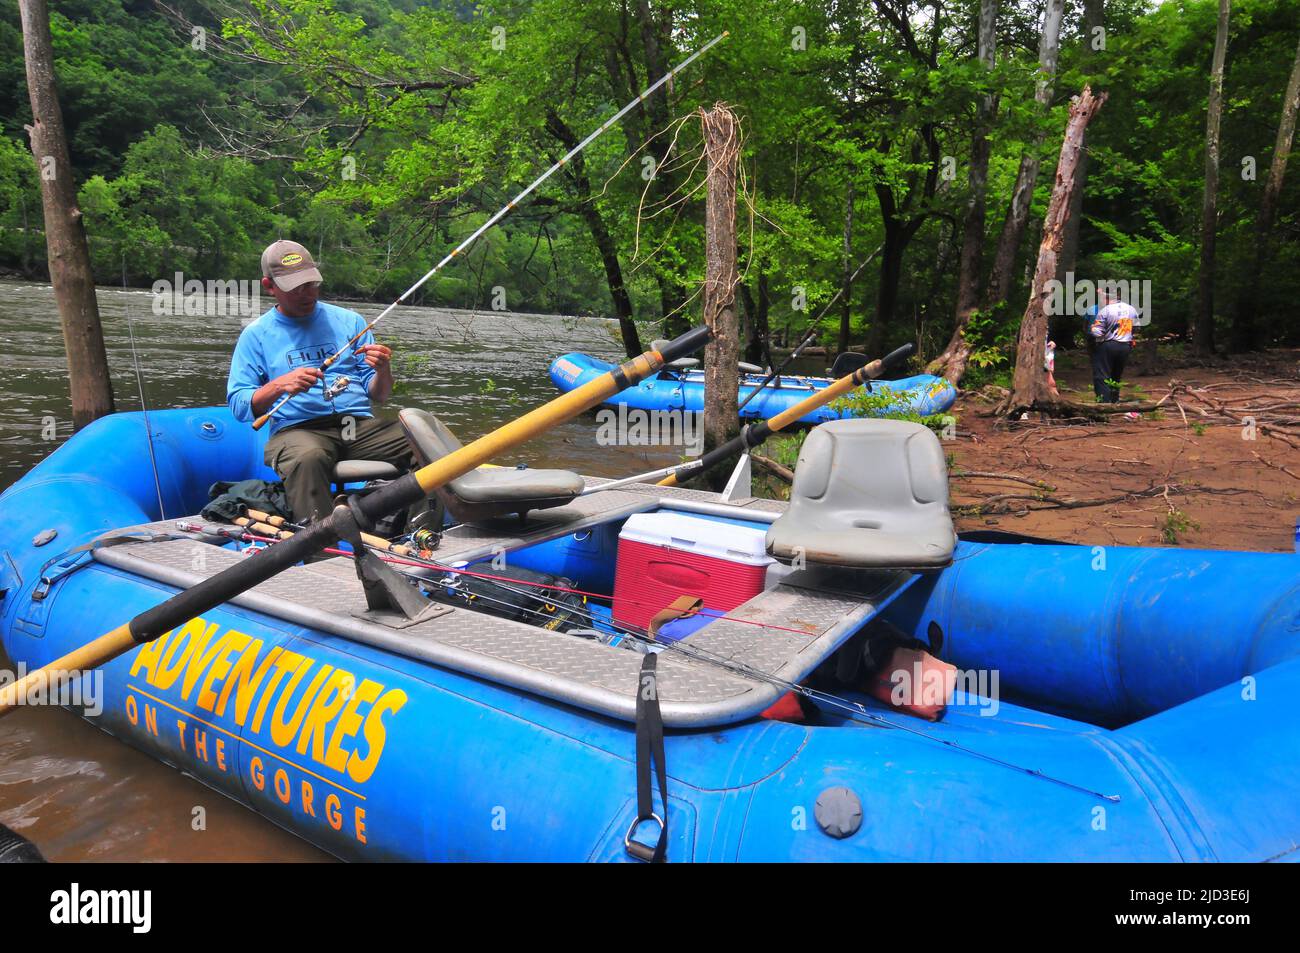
(80, 794)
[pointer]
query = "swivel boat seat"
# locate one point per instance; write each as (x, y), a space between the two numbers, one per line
(689, 363)
(868, 494)
(485, 493)
(679, 366)
(362, 471)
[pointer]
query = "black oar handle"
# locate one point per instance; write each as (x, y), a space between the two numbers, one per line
(687, 343)
(897, 356)
(754, 434)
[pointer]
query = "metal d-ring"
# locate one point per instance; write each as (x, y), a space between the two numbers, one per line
(637, 849)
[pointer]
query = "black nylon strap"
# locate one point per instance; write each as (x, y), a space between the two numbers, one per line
(649, 752)
(46, 579)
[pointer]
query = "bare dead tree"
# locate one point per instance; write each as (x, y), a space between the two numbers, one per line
(952, 362)
(1203, 339)
(1013, 227)
(1029, 384)
(721, 375)
(1092, 22)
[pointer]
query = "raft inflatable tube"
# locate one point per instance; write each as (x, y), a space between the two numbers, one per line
(923, 394)
(1142, 710)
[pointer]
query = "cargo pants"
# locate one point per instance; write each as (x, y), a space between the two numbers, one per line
(304, 456)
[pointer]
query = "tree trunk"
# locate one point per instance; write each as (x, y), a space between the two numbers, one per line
(65, 232)
(721, 376)
(1029, 384)
(1092, 18)
(672, 306)
(1203, 339)
(613, 278)
(891, 276)
(762, 325)
(1245, 334)
(952, 362)
(758, 348)
(923, 313)
(1013, 227)
(605, 247)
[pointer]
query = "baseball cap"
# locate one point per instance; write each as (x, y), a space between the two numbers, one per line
(289, 265)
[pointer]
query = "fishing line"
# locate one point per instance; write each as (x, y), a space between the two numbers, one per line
(504, 210)
(856, 711)
(139, 383)
(811, 333)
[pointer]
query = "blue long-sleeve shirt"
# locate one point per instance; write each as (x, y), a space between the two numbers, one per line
(276, 344)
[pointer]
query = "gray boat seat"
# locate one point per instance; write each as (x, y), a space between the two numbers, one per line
(487, 492)
(747, 368)
(868, 494)
(362, 471)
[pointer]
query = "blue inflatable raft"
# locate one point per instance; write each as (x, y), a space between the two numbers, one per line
(923, 394)
(1139, 702)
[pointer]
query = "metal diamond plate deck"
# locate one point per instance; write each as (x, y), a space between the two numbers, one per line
(797, 626)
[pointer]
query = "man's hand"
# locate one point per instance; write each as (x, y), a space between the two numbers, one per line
(376, 355)
(380, 358)
(296, 382)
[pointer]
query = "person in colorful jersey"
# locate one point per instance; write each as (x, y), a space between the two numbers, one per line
(1111, 330)
(281, 353)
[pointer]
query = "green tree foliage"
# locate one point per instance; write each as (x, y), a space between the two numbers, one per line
(382, 132)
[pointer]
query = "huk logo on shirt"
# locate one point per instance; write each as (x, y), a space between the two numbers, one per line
(313, 355)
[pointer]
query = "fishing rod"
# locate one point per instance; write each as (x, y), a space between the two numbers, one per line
(504, 210)
(752, 435)
(345, 521)
(856, 711)
(809, 335)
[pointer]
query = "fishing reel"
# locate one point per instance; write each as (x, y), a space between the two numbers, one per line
(341, 383)
(426, 540)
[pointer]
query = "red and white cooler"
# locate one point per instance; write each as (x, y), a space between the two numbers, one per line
(665, 555)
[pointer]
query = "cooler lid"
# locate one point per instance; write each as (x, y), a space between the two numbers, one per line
(692, 534)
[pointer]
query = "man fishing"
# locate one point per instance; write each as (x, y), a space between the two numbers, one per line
(330, 419)
(1112, 332)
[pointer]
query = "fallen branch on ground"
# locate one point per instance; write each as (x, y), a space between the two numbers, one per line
(989, 475)
(1001, 503)
(772, 467)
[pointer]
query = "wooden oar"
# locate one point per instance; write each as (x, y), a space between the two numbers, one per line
(392, 497)
(754, 434)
